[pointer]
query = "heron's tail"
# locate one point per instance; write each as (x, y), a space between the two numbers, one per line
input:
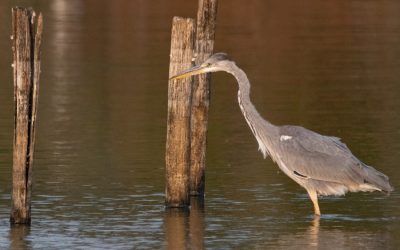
(377, 179)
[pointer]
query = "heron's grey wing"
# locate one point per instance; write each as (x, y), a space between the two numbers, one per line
(325, 159)
(319, 157)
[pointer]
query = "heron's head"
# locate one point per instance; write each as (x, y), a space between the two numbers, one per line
(216, 62)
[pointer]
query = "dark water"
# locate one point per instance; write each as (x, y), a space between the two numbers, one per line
(331, 66)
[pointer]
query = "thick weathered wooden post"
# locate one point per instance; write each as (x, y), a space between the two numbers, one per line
(205, 35)
(177, 154)
(26, 40)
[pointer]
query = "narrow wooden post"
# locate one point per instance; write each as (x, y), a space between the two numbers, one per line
(26, 40)
(205, 35)
(177, 155)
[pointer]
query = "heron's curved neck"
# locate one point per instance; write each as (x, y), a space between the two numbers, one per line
(263, 130)
(247, 107)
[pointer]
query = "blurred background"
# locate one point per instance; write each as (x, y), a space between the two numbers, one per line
(330, 66)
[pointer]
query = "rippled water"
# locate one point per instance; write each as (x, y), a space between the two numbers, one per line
(99, 165)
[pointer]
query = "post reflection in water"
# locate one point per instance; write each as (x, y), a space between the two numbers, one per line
(184, 228)
(18, 237)
(196, 222)
(175, 226)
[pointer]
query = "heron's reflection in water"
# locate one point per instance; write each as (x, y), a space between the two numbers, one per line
(313, 232)
(184, 228)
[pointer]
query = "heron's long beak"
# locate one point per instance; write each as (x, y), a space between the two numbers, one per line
(190, 72)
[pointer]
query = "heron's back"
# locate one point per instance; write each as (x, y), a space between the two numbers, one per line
(324, 163)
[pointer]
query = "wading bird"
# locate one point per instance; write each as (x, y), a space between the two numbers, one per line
(323, 165)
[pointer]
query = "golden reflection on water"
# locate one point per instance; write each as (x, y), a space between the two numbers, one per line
(313, 232)
(185, 228)
(18, 237)
(175, 226)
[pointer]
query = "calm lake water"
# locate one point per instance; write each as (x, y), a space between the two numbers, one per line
(331, 66)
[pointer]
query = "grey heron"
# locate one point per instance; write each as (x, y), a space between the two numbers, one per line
(323, 165)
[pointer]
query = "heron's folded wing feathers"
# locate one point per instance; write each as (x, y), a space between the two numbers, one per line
(320, 157)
